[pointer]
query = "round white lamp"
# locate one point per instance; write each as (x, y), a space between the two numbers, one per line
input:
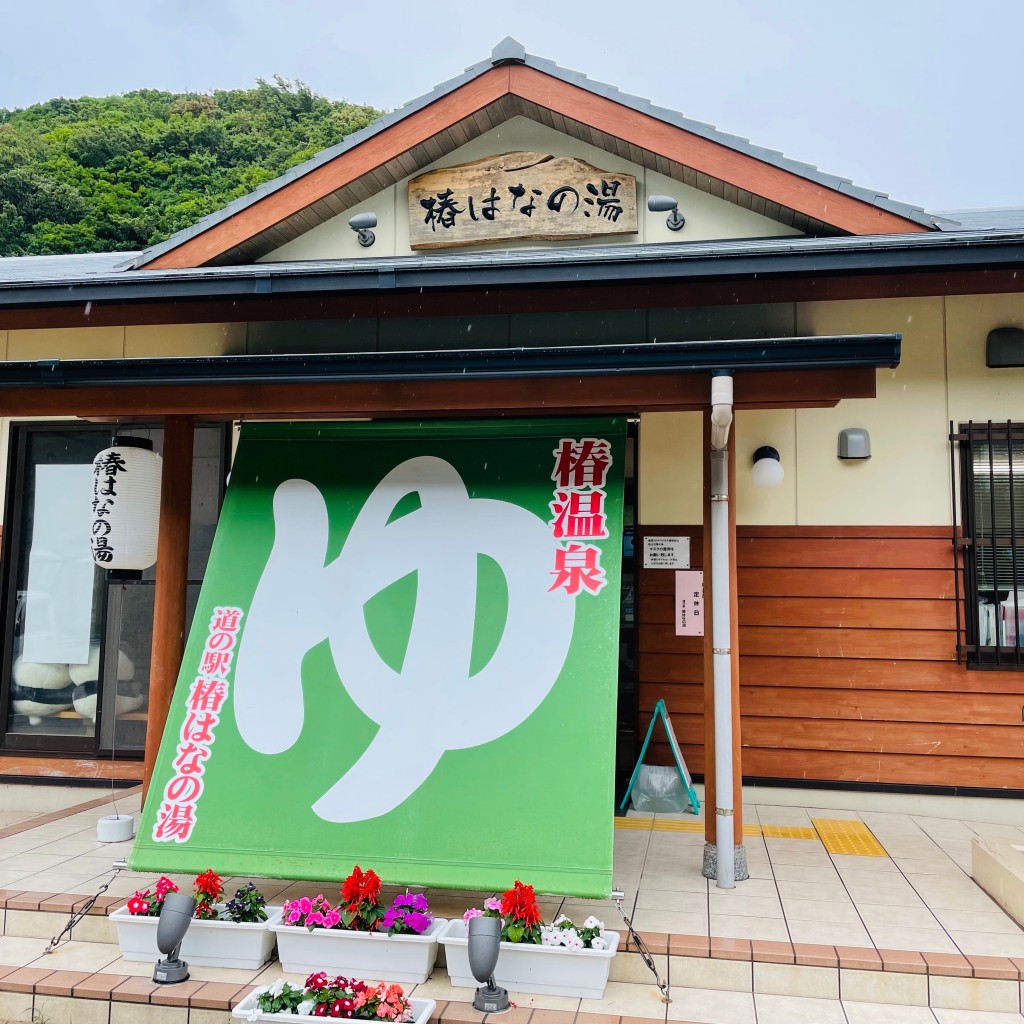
(767, 471)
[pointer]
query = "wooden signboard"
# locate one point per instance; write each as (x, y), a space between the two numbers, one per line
(519, 196)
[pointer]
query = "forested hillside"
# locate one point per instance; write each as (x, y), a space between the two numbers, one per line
(122, 172)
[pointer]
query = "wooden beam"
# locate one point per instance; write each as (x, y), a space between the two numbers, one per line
(171, 579)
(504, 300)
(707, 157)
(624, 394)
(335, 174)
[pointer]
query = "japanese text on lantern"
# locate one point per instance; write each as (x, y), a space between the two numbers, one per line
(104, 479)
(206, 696)
(578, 511)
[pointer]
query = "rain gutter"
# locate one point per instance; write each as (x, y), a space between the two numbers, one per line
(814, 353)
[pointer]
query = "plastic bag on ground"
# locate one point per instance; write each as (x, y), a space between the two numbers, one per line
(658, 789)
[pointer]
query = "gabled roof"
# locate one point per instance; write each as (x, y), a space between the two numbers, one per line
(513, 82)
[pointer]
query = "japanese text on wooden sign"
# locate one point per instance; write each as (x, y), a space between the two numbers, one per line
(690, 603)
(519, 195)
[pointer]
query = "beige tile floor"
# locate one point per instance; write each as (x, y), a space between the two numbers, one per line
(918, 897)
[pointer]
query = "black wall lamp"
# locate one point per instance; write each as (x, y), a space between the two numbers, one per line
(361, 224)
(669, 205)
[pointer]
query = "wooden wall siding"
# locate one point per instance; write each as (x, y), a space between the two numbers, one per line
(847, 662)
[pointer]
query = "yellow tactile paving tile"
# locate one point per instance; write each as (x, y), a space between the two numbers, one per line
(672, 825)
(852, 838)
(788, 832)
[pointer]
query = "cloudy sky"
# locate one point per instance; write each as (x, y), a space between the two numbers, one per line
(917, 98)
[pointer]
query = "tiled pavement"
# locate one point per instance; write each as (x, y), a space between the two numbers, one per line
(904, 937)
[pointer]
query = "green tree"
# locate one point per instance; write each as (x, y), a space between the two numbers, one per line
(115, 173)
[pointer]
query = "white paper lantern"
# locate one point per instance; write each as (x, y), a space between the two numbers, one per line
(125, 514)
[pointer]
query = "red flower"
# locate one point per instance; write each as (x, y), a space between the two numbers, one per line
(137, 905)
(520, 904)
(163, 886)
(209, 884)
(318, 980)
(320, 1010)
(361, 887)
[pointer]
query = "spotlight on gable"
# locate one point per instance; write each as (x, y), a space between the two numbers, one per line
(361, 224)
(667, 204)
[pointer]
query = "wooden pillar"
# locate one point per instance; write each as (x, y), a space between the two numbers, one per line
(171, 580)
(710, 830)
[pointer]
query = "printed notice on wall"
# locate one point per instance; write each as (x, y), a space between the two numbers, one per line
(690, 603)
(666, 552)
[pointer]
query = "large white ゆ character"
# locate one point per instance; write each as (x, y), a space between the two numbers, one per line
(300, 601)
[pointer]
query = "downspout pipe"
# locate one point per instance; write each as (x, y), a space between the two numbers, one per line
(721, 423)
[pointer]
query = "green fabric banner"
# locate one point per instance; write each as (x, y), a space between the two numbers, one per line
(405, 655)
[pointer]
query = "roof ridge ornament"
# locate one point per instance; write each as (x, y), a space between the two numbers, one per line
(508, 51)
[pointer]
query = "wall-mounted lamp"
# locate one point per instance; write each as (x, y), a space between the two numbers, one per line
(854, 443)
(666, 204)
(1004, 347)
(768, 471)
(361, 224)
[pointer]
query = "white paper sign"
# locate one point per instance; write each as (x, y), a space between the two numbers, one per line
(58, 606)
(666, 552)
(690, 603)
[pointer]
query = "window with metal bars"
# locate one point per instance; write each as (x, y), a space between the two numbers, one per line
(990, 543)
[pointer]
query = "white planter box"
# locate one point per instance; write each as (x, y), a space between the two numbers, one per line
(206, 943)
(526, 967)
(422, 1008)
(407, 959)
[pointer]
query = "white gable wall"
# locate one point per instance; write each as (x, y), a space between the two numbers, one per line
(707, 217)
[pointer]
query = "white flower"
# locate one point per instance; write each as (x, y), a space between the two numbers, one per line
(598, 943)
(592, 922)
(305, 1008)
(572, 940)
(550, 937)
(558, 920)
(276, 988)
(253, 1013)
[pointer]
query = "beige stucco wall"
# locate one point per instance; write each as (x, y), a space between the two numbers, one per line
(942, 376)
(706, 216)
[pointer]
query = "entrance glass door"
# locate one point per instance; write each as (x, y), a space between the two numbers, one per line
(75, 672)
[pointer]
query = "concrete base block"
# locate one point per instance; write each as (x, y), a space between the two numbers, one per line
(739, 860)
(999, 869)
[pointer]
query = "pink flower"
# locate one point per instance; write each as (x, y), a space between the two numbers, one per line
(331, 919)
(294, 916)
(492, 903)
(305, 906)
(315, 918)
(472, 912)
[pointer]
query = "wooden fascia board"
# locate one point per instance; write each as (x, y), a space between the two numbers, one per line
(746, 172)
(310, 188)
(632, 126)
(270, 400)
(828, 288)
